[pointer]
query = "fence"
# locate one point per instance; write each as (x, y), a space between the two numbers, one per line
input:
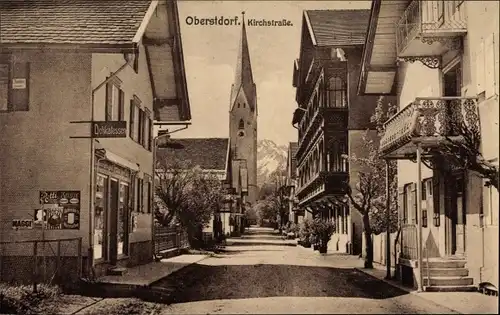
(167, 238)
(52, 261)
(379, 248)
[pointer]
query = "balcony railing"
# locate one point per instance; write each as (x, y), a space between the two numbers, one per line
(429, 117)
(427, 19)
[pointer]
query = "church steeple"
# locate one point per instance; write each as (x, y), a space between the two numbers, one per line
(243, 79)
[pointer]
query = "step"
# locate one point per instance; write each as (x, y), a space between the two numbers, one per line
(116, 271)
(448, 281)
(451, 288)
(444, 264)
(446, 272)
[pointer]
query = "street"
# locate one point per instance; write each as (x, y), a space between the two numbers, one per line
(283, 279)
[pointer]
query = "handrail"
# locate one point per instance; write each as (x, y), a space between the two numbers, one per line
(427, 265)
(42, 241)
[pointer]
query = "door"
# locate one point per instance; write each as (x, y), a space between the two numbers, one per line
(101, 218)
(455, 216)
(113, 221)
(122, 220)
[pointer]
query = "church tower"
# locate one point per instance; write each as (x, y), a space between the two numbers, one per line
(243, 123)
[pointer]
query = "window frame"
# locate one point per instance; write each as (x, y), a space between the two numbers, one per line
(333, 89)
(11, 75)
(110, 103)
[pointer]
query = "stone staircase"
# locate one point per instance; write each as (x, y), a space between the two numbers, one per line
(446, 275)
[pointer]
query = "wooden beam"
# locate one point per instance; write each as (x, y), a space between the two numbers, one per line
(161, 102)
(157, 41)
(379, 68)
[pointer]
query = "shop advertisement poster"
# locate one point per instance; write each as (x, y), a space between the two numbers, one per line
(60, 210)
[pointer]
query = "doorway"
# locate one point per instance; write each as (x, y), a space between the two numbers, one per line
(113, 221)
(455, 215)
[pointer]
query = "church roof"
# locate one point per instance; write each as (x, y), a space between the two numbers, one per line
(207, 153)
(337, 27)
(243, 78)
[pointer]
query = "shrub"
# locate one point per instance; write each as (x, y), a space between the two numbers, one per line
(22, 299)
(305, 230)
(322, 230)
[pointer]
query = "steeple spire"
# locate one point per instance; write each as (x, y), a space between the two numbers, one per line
(243, 75)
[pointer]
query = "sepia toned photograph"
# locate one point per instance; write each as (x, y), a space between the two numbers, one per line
(249, 157)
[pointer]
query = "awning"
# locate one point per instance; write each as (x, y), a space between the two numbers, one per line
(121, 161)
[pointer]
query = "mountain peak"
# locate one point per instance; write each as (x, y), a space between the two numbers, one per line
(270, 157)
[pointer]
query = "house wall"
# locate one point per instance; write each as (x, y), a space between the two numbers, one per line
(481, 45)
(36, 150)
(416, 80)
(132, 84)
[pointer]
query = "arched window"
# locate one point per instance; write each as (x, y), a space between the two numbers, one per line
(337, 93)
(244, 105)
(242, 124)
(238, 105)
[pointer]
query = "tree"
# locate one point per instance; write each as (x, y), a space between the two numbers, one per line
(368, 194)
(279, 196)
(187, 194)
(465, 153)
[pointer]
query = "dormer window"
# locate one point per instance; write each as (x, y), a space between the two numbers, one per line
(242, 124)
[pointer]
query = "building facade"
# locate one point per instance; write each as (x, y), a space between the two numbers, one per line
(331, 119)
(85, 173)
(444, 55)
(295, 215)
(243, 130)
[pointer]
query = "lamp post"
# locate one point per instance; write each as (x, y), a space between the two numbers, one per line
(388, 220)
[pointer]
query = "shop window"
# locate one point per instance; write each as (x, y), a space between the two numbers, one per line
(14, 86)
(123, 219)
(114, 101)
(100, 211)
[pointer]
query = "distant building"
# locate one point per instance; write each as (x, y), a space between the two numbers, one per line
(441, 60)
(331, 119)
(211, 155)
(77, 106)
(243, 131)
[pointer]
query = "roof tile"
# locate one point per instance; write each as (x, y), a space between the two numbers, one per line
(70, 21)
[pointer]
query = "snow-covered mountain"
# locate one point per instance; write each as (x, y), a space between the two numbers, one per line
(270, 157)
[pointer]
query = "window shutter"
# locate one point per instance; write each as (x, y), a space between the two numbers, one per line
(150, 142)
(132, 119)
(490, 77)
(413, 202)
(435, 200)
(401, 204)
(140, 129)
(480, 69)
(121, 102)
(19, 94)
(109, 95)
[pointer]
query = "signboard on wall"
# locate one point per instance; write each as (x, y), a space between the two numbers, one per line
(22, 224)
(109, 129)
(60, 210)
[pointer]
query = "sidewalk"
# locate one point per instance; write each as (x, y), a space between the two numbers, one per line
(460, 302)
(143, 275)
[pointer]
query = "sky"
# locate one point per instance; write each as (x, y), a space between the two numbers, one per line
(210, 54)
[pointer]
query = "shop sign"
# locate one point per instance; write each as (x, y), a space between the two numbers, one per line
(23, 224)
(18, 84)
(60, 210)
(109, 129)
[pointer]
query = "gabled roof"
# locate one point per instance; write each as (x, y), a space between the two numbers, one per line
(207, 153)
(337, 27)
(80, 22)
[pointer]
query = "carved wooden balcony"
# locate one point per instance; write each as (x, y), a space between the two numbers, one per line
(428, 29)
(430, 119)
(324, 184)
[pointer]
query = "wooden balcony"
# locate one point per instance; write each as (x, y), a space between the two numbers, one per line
(427, 119)
(428, 29)
(321, 186)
